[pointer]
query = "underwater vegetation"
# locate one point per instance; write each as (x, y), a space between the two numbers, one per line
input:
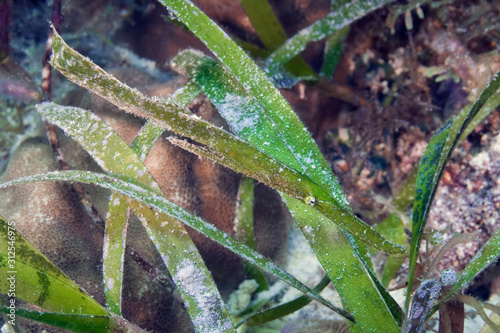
(162, 197)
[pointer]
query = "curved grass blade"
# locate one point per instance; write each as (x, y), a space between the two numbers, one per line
(232, 151)
(347, 270)
(151, 198)
(37, 280)
(272, 34)
(180, 255)
(285, 309)
(431, 167)
(340, 18)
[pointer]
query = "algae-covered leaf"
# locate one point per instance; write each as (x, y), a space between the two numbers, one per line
(343, 16)
(176, 247)
(245, 117)
(431, 167)
(158, 202)
(222, 147)
(115, 238)
(346, 269)
(29, 276)
(265, 94)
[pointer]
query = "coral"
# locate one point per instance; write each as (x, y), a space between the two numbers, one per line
(51, 217)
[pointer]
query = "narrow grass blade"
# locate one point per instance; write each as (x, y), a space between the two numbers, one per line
(36, 280)
(151, 198)
(431, 167)
(243, 225)
(231, 151)
(346, 269)
(285, 309)
(146, 138)
(185, 94)
(486, 256)
(177, 249)
(340, 18)
(265, 22)
(333, 52)
(244, 213)
(151, 131)
(115, 238)
(272, 34)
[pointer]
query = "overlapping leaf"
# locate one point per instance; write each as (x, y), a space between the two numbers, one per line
(175, 246)
(228, 149)
(149, 197)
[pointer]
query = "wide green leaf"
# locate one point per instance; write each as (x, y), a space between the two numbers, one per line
(36, 280)
(245, 117)
(347, 270)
